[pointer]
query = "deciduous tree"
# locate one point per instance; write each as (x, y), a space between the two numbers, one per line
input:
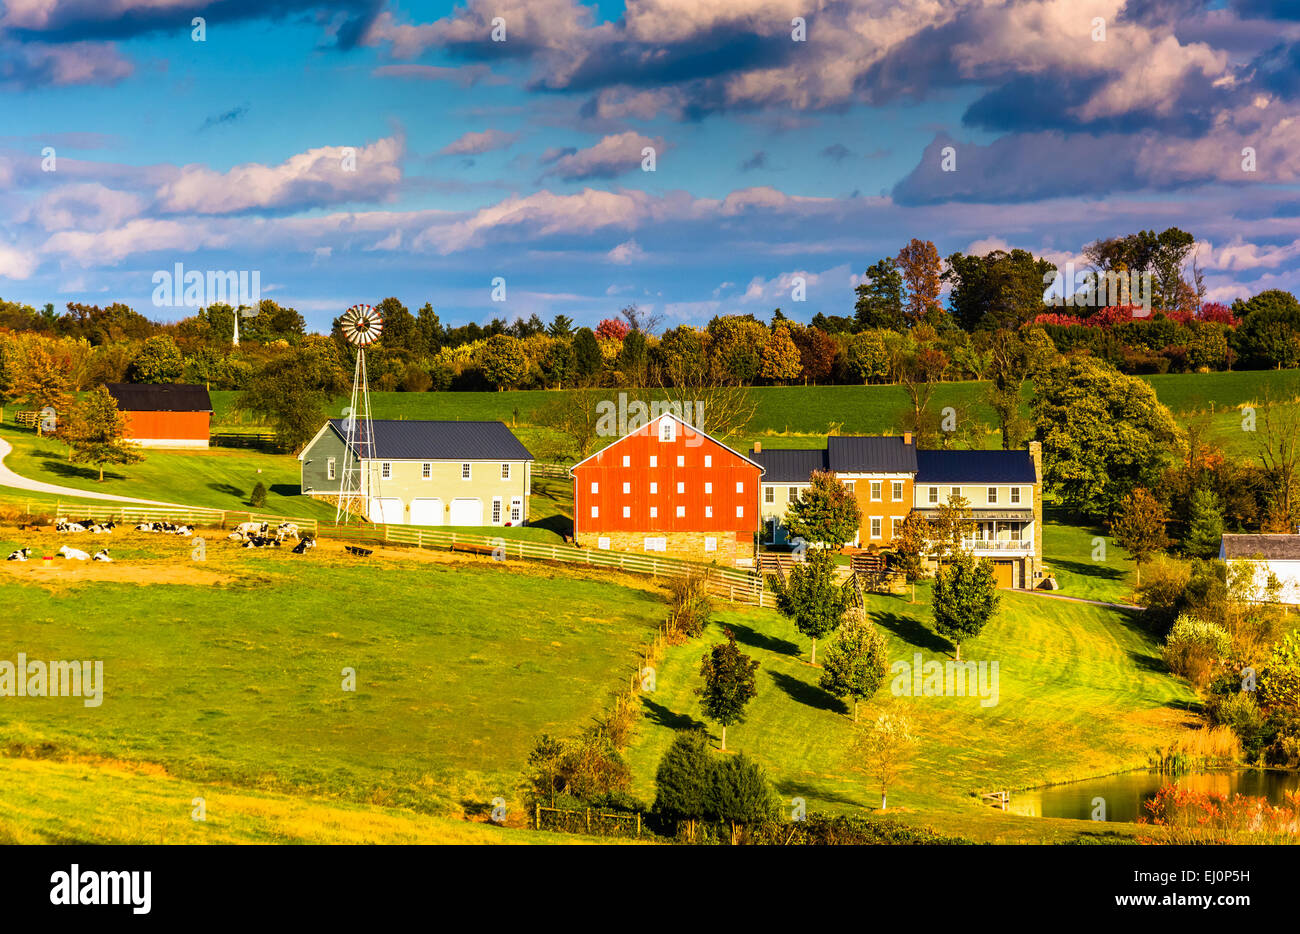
(965, 598)
(728, 687)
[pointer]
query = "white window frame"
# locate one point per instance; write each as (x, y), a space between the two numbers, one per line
(876, 525)
(595, 486)
(792, 493)
(896, 491)
(466, 470)
(681, 487)
(708, 488)
(894, 523)
(385, 470)
(654, 512)
(426, 471)
(516, 510)
(668, 430)
(1015, 496)
(681, 512)
(681, 460)
(505, 471)
(654, 486)
(877, 491)
(329, 468)
(627, 488)
(933, 497)
(708, 512)
(654, 460)
(595, 512)
(710, 543)
(954, 493)
(769, 494)
(993, 496)
(708, 460)
(627, 460)
(740, 486)
(740, 512)
(496, 510)
(627, 512)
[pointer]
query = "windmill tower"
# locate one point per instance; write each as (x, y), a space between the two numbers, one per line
(361, 325)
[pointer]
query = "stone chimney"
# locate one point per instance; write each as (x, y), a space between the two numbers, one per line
(1036, 455)
(758, 447)
(907, 437)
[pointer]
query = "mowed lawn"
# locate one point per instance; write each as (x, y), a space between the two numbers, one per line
(1081, 693)
(217, 478)
(460, 665)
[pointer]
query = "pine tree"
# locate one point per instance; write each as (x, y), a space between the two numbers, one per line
(1204, 525)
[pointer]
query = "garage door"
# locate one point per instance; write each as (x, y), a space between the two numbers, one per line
(1004, 574)
(426, 511)
(466, 512)
(387, 510)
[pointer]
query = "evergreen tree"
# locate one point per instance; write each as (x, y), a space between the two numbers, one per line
(1204, 525)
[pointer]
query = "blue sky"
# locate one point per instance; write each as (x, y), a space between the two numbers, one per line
(775, 159)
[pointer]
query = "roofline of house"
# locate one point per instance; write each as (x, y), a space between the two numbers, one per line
(761, 469)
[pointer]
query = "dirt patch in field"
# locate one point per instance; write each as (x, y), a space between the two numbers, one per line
(62, 573)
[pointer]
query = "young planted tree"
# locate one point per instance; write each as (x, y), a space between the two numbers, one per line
(882, 750)
(910, 545)
(684, 779)
(950, 527)
(1139, 527)
(257, 499)
(96, 433)
(826, 513)
(812, 597)
(728, 675)
(965, 598)
(857, 661)
(1204, 525)
(740, 793)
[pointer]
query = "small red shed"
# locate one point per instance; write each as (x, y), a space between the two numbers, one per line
(164, 415)
(668, 487)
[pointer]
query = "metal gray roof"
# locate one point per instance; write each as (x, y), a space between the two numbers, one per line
(974, 467)
(400, 439)
(160, 397)
(789, 465)
(1276, 547)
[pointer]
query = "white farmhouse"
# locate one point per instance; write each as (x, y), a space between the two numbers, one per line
(1276, 559)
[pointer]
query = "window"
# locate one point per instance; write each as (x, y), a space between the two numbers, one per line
(740, 512)
(708, 512)
(595, 512)
(708, 487)
(875, 526)
(505, 471)
(516, 510)
(603, 544)
(656, 544)
(681, 487)
(329, 468)
(595, 486)
(792, 494)
(876, 491)
(667, 430)
(848, 485)
(496, 510)
(934, 494)
(627, 461)
(954, 493)
(654, 512)
(654, 460)
(896, 493)
(681, 460)
(426, 471)
(894, 523)
(769, 494)
(708, 460)
(386, 469)
(993, 495)
(681, 512)
(654, 487)
(627, 512)
(740, 486)
(1015, 495)
(710, 544)
(464, 471)
(627, 488)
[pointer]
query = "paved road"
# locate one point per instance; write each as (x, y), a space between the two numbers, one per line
(9, 478)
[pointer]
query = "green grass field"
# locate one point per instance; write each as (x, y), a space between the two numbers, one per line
(238, 680)
(1081, 693)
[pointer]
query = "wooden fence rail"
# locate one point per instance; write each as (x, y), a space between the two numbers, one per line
(737, 586)
(190, 514)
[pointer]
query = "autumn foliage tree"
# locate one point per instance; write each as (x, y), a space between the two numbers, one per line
(96, 432)
(826, 512)
(1139, 527)
(780, 360)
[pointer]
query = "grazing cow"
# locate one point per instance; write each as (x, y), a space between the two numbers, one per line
(102, 555)
(303, 545)
(246, 530)
(19, 555)
(287, 530)
(73, 554)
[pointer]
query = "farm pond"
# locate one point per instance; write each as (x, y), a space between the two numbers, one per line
(1126, 795)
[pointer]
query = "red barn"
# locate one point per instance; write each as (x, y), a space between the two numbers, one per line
(668, 488)
(164, 415)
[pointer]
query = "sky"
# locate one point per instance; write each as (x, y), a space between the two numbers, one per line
(490, 157)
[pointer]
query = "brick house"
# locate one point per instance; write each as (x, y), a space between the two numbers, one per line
(668, 488)
(890, 478)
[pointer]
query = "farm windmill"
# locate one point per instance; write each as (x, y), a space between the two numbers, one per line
(361, 326)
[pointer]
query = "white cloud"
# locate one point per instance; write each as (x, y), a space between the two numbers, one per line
(627, 252)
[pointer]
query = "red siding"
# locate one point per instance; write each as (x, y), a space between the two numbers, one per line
(171, 425)
(606, 469)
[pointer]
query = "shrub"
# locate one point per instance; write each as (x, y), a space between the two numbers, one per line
(1239, 713)
(1195, 649)
(1161, 593)
(1279, 683)
(258, 496)
(689, 606)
